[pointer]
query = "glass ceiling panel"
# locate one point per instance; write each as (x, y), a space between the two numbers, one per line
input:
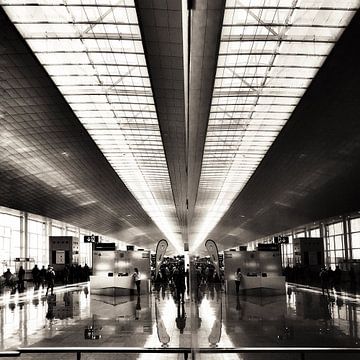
(269, 53)
(92, 49)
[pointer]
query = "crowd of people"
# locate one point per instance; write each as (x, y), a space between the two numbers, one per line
(327, 278)
(44, 277)
(173, 275)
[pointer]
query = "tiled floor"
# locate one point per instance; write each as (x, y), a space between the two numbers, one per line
(302, 318)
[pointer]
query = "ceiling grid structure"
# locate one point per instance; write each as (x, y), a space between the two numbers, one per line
(261, 76)
(96, 58)
(49, 164)
(100, 139)
(312, 170)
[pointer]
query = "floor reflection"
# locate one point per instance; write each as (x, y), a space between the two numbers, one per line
(211, 318)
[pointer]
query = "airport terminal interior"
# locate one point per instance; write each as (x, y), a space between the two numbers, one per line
(179, 179)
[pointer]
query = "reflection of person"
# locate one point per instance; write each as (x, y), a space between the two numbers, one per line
(238, 277)
(181, 318)
(137, 309)
(50, 312)
(136, 277)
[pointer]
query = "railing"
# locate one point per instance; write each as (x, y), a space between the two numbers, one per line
(301, 351)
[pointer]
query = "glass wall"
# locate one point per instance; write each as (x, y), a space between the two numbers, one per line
(38, 244)
(339, 235)
(355, 238)
(35, 244)
(335, 243)
(287, 252)
(9, 240)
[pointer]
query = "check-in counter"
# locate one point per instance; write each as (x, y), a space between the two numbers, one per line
(271, 284)
(276, 283)
(116, 285)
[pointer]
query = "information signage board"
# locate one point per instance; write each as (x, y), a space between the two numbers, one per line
(281, 239)
(91, 239)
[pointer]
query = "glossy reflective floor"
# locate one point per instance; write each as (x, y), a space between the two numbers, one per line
(304, 317)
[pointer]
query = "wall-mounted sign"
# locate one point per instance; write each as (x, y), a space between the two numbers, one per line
(91, 239)
(268, 247)
(281, 239)
(60, 257)
(105, 246)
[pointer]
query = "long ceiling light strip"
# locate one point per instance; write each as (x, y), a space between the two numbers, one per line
(93, 52)
(270, 50)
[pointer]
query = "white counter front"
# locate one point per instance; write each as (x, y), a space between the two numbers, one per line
(116, 285)
(275, 284)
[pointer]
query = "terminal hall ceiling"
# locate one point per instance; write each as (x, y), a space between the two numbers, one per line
(181, 120)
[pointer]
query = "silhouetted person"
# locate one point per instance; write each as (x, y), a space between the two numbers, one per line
(238, 277)
(136, 277)
(86, 271)
(36, 277)
(43, 276)
(21, 276)
(50, 280)
(8, 276)
(324, 279)
(66, 275)
(337, 278)
(179, 280)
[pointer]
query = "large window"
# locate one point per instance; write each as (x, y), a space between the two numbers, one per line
(287, 253)
(9, 240)
(355, 238)
(56, 230)
(315, 232)
(85, 249)
(335, 243)
(38, 243)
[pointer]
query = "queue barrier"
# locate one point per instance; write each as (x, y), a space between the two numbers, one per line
(301, 351)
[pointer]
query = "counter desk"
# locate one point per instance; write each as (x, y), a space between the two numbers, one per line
(116, 285)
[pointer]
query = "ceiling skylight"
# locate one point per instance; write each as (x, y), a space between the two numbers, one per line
(92, 50)
(270, 51)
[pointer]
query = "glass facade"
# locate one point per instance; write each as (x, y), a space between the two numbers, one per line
(26, 236)
(9, 240)
(355, 238)
(341, 240)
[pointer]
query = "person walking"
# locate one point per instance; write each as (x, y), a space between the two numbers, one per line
(42, 276)
(21, 281)
(238, 277)
(324, 279)
(136, 277)
(50, 280)
(36, 277)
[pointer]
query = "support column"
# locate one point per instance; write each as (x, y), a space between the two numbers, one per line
(347, 244)
(323, 234)
(24, 236)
